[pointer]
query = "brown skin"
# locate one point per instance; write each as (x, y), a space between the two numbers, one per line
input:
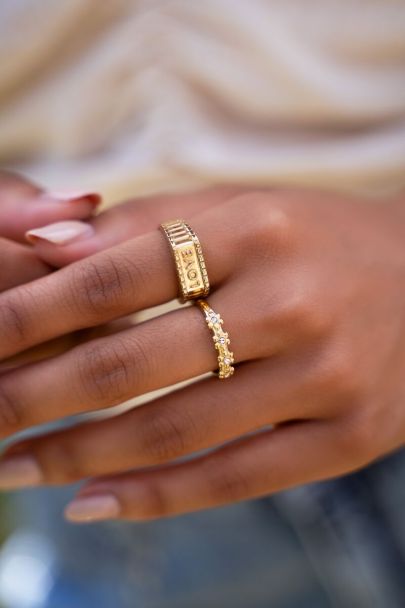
(311, 289)
(19, 264)
(23, 207)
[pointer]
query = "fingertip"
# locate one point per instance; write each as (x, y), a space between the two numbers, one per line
(73, 196)
(53, 206)
(88, 509)
(60, 233)
(62, 243)
(41, 208)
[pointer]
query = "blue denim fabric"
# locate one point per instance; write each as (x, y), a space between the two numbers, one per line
(337, 544)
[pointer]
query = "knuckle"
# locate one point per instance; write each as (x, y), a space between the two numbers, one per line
(59, 461)
(100, 288)
(142, 351)
(11, 418)
(13, 321)
(163, 437)
(270, 227)
(105, 372)
(226, 482)
(336, 375)
(300, 315)
(358, 439)
(153, 502)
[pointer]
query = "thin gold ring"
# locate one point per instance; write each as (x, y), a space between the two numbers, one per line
(188, 256)
(221, 340)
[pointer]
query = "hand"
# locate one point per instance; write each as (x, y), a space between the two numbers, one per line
(23, 206)
(311, 288)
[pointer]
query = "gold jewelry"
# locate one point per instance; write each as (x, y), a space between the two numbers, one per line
(221, 340)
(190, 264)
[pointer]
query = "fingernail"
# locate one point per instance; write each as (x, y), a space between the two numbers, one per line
(60, 233)
(73, 196)
(93, 508)
(19, 472)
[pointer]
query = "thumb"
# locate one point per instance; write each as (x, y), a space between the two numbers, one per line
(24, 205)
(64, 242)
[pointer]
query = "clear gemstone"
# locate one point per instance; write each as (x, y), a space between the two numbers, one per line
(227, 361)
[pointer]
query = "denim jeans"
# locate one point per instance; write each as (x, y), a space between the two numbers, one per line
(338, 544)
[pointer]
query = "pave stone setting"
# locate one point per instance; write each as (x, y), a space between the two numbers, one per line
(221, 341)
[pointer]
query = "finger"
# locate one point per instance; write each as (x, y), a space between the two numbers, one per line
(255, 466)
(135, 275)
(160, 352)
(19, 265)
(186, 421)
(62, 345)
(24, 206)
(65, 242)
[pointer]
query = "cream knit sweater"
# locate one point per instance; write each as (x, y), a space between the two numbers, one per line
(139, 96)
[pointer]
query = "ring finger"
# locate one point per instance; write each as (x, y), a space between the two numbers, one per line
(160, 352)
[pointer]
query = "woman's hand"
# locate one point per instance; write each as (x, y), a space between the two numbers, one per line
(24, 206)
(311, 287)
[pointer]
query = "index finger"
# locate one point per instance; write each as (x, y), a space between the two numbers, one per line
(132, 276)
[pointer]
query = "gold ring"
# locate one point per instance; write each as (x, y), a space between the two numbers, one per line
(221, 340)
(189, 259)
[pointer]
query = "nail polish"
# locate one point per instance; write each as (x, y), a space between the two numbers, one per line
(73, 196)
(93, 508)
(19, 471)
(60, 233)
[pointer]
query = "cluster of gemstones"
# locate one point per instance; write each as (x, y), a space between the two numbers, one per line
(221, 341)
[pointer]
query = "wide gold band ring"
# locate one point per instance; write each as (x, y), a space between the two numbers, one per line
(221, 340)
(189, 259)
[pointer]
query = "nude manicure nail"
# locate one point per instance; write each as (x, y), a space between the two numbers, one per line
(19, 472)
(93, 508)
(73, 196)
(60, 233)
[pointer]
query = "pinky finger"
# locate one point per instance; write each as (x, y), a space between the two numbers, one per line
(255, 466)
